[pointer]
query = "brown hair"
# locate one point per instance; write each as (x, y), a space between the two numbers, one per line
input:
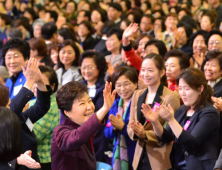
(39, 45)
(215, 54)
(68, 93)
(195, 79)
(4, 95)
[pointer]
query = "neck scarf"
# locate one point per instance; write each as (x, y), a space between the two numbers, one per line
(121, 160)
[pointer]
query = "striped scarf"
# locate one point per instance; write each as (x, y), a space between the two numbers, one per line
(121, 160)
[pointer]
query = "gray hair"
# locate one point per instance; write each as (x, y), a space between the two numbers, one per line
(38, 21)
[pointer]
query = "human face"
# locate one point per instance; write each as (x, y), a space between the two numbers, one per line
(45, 80)
(205, 24)
(172, 68)
(131, 18)
(212, 70)
(183, 36)
(14, 60)
(199, 45)
(29, 16)
(113, 43)
(125, 88)
(83, 30)
(142, 44)
(37, 31)
(123, 25)
(143, 7)
(150, 73)
(89, 70)
(123, 5)
(171, 22)
(54, 56)
(158, 25)
(187, 94)
(82, 109)
(96, 16)
(60, 39)
(113, 14)
(70, 7)
(196, 3)
(181, 14)
(47, 17)
(81, 17)
(146, 24)
(67, 56)
(150, 49)
(215, 42)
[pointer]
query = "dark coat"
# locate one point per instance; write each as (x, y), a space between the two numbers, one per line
(200, 141)
(72, 145)
(34, 113)
(101, 47)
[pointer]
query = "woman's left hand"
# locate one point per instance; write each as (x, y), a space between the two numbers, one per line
(117, 121)
(108, 96)
(166, 113)
(217, 103)
(138, 129)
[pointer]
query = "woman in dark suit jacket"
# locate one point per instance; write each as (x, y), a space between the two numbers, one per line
(93, 70)
(195, 126)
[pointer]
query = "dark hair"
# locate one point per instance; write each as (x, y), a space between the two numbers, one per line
(140, 38)
(116, 31)
(76, 50)
(190, 21)
(150, 17)
(136, 16)
(184, 60)
(158, 11)
(188, 29)
(52, 46)
(48, 30)
(53, 15)
(4, 95)
(102, 12)
(160, 65)
(186, 10)
(10, 135)
(148, 4)
(6, 18)
(162, 23)
(86, 14)
(195, 78)
(88, 26)
(159, 45)
(14, 33)
(215, 54)
(51, 75)
(128, 4)
(116, 6)
(213, 32)
(107, 26)
(39, 45)
(22, 21)
(67, 34)
(98, 58)
(68, 93)
(211, 15)
(126, 21)
(17, 44)
(31, 12)
(198, 32)
(126, 71)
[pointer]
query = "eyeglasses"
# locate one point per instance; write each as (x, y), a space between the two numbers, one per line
(14, 56)
(88, 68)
(125, 85)
(214, 42)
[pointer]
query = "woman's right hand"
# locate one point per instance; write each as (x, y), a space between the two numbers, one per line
(149, 114)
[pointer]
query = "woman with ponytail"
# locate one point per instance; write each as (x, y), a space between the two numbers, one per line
(148, 153)
(194, 127)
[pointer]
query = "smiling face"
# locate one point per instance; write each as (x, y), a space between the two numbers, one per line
(212, 70)
(172, 68)
(187, 94)
(113, 43)
(150, 73)
(67, 56)
(215, 42)
(171, 22)
(89, 70)
(199, 45)
(124, 87)
(14, 60)
(82, 109)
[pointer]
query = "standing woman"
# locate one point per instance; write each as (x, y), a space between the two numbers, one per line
(68, 63)
(125, 80)
(93, 70)
(195, 126)
(148, 153)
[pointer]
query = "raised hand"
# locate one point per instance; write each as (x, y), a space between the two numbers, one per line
(199, 58)
(31, 71)
(166, 113)
(108, 97)
(149, 114)
(116, 121)
(130, 30)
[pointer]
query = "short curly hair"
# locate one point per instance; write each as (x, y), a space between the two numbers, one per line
(99, 60)
(16, 44)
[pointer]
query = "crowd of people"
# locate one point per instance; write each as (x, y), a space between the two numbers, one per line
(122, 85)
